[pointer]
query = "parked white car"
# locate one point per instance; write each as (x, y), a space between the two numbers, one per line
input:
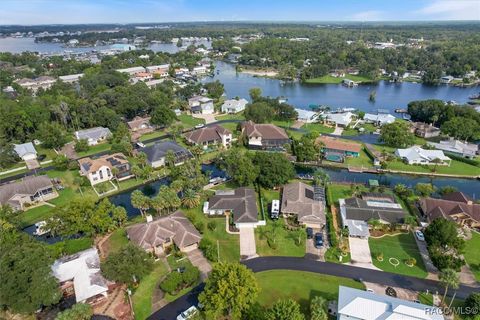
(419, 235)
(200, 125)
(187, 314)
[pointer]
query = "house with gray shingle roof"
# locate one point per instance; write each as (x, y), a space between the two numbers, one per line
(156, 235)
(26, 151)
(93, 136)
(19, 195)
(157, 153)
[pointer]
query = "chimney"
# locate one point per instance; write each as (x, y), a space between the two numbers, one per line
(149, 218)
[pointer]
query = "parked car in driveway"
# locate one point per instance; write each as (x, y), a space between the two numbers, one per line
(318, 240)
(419, 235)
(309, 233)
(140, 145)
(200, 125)
(187, 314)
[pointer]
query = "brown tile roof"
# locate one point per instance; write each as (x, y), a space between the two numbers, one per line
(266, 131)
(297, 198)
(338, 144)
(175, 226)
(448, 206)
(137, 122)
(242, 201)
(110, 160)
(457, 197)
(28, 186)
(210, 133)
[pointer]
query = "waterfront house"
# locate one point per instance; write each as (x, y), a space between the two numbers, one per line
(454, 206)
(417, 155)
(342, 119)
(132, 71)
(80, 274)
(456, 147)
(209, 136)
(93, 136)
(201, 105)
(424, 130)
(305, 202)
(100, 169)
(158, 234)
(26, 192)
(379, 119)
(199, 70)
(234, 105)
(306, 116)
(356, 212)
(140, 124)
(264, 136)
(159, 70)
(42, 82)
(337, 150)
(349, 83)
(157, 153)
(365, 305)
(240, 204)
(26, 151)
(446, 79)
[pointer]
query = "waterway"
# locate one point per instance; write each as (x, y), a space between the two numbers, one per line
(389, 96)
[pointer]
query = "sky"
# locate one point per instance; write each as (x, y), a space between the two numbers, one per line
(30, 12)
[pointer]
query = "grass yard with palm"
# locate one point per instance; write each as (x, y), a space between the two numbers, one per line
(299, 286)
(400, 247)
(472, 254)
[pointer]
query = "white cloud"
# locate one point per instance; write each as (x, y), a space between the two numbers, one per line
(452, 10)
(370, 15)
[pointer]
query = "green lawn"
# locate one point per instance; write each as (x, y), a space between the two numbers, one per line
(72, 246)
(232, 126)
(152, 135)
(400, 247)
(328, 79)
(362, 161)
(300, 286)
(341, 191)
(236, 116)
(472, 254)
(142, 298)
(369, 128)
(117, 240)
(175, 263)
(188, 121)
(427, 299)
(95, 149)
(317, 127)
(456, 168)
(286, 241)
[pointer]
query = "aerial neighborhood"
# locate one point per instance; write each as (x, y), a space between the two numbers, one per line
(239, 170)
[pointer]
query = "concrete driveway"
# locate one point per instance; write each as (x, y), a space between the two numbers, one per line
(315, 253)
(360, 253)
(431, 269)
(338, 131)
(247, 243)
(197, 258)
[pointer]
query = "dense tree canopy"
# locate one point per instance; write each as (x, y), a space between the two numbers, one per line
(275, 169)
(397, 135)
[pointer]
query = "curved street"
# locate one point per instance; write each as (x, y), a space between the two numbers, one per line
(260, 264)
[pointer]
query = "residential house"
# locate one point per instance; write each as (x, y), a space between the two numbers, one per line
(417, 155)
(156, 235)
(80, 274)
(159, 70)
(356, 212)
(342, 119)
(43, 82)
(446, 79)
(424, 130)
(201, 105)
(305, 202)
(456, 147)
(337, 150)
(240, 204)
(454, 206)
(264, 136)
(26, 151)
(234, 105)
(208, 136)
(132, 71)
(379, 119)
(143, 76)
(365, 305)
(93, 136)
(71, 78)
(140, 124)
(349, 83)
(26, 192)
(100, 169)
(157, 153)
(199, 70)
(307, 116)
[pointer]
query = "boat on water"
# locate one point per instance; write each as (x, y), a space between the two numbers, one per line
(474, 96)
(400, 110)
(40, 229)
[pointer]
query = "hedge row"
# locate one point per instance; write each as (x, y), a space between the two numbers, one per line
(332, 235)
(462, 159)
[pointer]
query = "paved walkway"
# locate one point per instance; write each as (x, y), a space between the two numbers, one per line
(209, 118)
(338, 131)
(467, 277)
(247, 243)
(197, 258)
(360, 253)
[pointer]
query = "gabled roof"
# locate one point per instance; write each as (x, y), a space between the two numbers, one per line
(417, 153)
(338, 144)
(451, 204)
(374, 207)
(456, 146)
(297, 198)
(234, 104)
(159, 150)
(24, 149)
(92, 165)
(27, 186)
(265, 131)
(175, 226)
(93, 133)
(242, 201)
(137, 122)
(210, 133)
(84, 269)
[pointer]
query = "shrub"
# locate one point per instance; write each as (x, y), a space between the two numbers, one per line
(272, 244)
(171, 282)
(411, 262)
(190, 275)
(462, 159)
(208, 248)
(81, 146)
(332, 235)
(211, 225)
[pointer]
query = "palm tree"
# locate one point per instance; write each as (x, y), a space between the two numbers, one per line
(158, 203)
(136, 171)
(436, 161)
(190, 199)
(449, 279)
(139, 201)
(142, 159)
(374, 223)
(177, 185)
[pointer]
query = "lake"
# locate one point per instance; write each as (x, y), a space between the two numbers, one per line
(389, 95)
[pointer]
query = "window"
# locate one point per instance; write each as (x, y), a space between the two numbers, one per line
(101, 174)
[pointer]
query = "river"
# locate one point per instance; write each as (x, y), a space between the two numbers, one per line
(389, 95)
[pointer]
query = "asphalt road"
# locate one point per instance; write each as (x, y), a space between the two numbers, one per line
(173, 309)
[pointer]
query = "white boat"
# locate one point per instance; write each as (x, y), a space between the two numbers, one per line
(40, 228)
